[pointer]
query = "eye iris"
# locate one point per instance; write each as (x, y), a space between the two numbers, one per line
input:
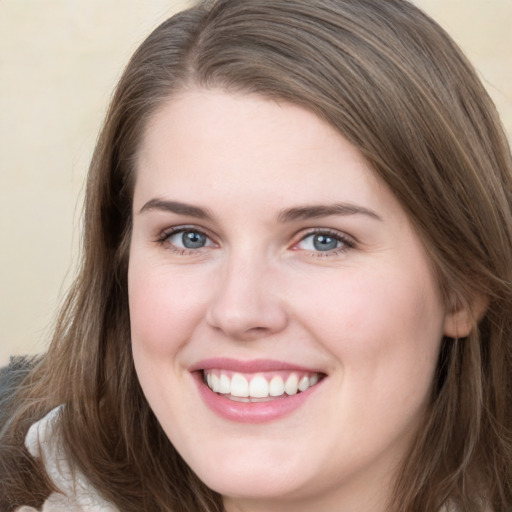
(193, 240)
(324, 242)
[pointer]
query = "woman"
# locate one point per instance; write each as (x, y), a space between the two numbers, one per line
(295, 287)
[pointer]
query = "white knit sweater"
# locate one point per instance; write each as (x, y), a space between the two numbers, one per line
(77, 494)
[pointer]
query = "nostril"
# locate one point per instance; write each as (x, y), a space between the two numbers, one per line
(257, 329)
(255, 333)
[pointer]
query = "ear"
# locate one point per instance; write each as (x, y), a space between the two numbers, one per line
(464, 316)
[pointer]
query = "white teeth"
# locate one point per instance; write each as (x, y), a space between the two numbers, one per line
(276, 386)
(303, 384)
(239, 385)
(215, 383)
(258, 387)
(224, 384)
(291, 385)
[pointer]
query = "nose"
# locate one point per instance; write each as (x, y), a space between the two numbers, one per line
(246, 304)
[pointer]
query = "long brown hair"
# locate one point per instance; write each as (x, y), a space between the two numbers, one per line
(395, 85)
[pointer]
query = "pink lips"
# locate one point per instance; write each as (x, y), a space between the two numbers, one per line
(250, 412)
(254, 366)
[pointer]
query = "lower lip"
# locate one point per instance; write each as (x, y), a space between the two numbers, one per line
(252, 412)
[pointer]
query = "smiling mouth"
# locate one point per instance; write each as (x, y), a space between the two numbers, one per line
(259, 387)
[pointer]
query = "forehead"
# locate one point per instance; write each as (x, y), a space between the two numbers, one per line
(211, 145)
(229, 120)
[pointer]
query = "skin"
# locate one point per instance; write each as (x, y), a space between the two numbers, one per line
(368, 313)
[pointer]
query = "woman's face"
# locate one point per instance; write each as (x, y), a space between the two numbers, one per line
(268, 262)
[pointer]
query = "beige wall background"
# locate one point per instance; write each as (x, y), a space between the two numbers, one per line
(59, 61)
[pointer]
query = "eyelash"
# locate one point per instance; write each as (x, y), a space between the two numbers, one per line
(346, 242)
(163, 239)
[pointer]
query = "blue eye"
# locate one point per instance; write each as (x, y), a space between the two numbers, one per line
(188, 239)
(324, 242)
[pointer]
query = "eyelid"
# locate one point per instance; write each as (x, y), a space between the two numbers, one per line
(348, 242)
(164, 235)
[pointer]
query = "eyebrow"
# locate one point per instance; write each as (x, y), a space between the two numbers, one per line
(178, 208)
(315, 211)
(288, 215)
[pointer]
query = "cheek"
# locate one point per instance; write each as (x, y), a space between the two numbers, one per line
(385, 334)
(164, 308)
(353, 301)
(380, 325)
(164, 311)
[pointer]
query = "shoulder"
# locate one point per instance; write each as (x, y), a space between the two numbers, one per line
(15, 371)
(11, 377)
(43, 441)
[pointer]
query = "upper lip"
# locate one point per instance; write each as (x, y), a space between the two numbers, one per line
(251, 366)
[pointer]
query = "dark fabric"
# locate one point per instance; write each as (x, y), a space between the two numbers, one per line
(11, 377)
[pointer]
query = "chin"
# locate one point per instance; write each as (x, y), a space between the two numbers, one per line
(251, 476)
(252, 484)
